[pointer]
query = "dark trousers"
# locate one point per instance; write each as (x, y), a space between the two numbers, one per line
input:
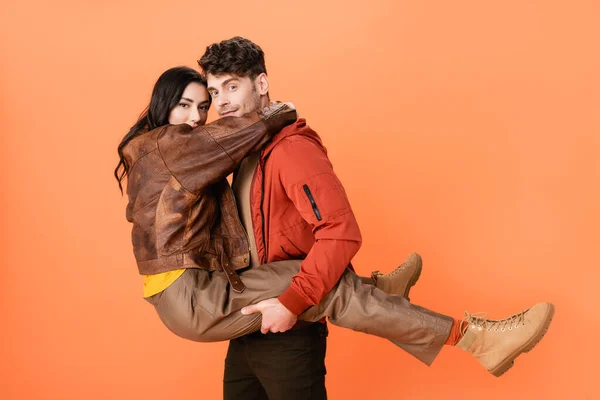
(277, 366)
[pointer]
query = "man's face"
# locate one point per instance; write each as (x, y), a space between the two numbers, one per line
(237, 95)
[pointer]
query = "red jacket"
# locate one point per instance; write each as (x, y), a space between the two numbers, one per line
(300, 211)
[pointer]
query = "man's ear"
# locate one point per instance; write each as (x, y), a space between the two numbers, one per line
(262, 84)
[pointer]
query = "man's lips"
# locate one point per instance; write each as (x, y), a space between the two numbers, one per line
(228, 113)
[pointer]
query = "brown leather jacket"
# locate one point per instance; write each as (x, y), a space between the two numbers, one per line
(182, 208)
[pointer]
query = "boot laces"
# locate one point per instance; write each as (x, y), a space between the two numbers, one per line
(395, 272)
(480, 321)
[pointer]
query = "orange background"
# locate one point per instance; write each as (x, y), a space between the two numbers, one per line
(467, 131)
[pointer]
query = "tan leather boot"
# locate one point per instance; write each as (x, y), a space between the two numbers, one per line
(496, 343)
(400, 280)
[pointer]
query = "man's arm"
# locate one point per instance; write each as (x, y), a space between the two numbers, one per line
(202, 156)
(309, 181)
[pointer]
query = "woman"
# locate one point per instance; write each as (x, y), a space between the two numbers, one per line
(188, 245)
(179, 97)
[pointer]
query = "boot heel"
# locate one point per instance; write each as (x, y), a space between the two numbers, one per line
(501, 370)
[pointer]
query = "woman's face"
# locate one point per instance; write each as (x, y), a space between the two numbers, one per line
(192, 108)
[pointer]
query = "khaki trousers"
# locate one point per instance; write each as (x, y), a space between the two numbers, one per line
(199, 306)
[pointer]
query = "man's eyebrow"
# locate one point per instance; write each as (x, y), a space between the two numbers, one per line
(225, 82)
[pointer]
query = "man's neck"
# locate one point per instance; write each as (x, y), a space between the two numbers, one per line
(264, 101)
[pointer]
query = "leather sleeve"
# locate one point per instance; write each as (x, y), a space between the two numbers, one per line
(202, 156)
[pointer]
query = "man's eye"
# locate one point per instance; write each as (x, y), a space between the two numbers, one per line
(214, 93)
(232, 87)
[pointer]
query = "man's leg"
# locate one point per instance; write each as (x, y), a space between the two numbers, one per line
(239, 380)
(291, 365)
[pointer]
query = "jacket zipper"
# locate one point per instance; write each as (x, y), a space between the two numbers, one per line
(262, 214)
(262, 192)
(313, 203)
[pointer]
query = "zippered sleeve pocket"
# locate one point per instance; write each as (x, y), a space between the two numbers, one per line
(313, 203)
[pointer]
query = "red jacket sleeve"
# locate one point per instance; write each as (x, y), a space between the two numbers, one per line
(309, 181)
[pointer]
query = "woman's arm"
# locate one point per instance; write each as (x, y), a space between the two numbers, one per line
(202, 156)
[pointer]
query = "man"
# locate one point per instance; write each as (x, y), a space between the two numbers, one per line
(294, 207)
(300, 352)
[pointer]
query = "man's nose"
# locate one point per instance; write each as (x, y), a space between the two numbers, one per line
(222, 100)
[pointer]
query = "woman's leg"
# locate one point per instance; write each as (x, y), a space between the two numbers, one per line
(364, 308)
(199, 306)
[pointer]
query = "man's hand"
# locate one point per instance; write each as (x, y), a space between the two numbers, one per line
(275, 317)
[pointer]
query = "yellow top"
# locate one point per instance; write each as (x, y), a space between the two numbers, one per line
(154, 284)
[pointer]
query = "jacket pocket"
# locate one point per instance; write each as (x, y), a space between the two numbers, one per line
(313, 203)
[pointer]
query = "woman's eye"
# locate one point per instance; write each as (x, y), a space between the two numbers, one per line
(204, 108)
(183, 105)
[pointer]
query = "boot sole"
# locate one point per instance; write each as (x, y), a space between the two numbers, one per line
(414, 278)
(527, 347)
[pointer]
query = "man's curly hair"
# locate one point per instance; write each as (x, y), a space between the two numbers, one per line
(235, 56)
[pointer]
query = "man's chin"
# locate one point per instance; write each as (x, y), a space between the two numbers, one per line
(230, 114)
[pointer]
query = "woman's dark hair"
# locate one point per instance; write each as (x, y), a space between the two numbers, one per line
(166, 95)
